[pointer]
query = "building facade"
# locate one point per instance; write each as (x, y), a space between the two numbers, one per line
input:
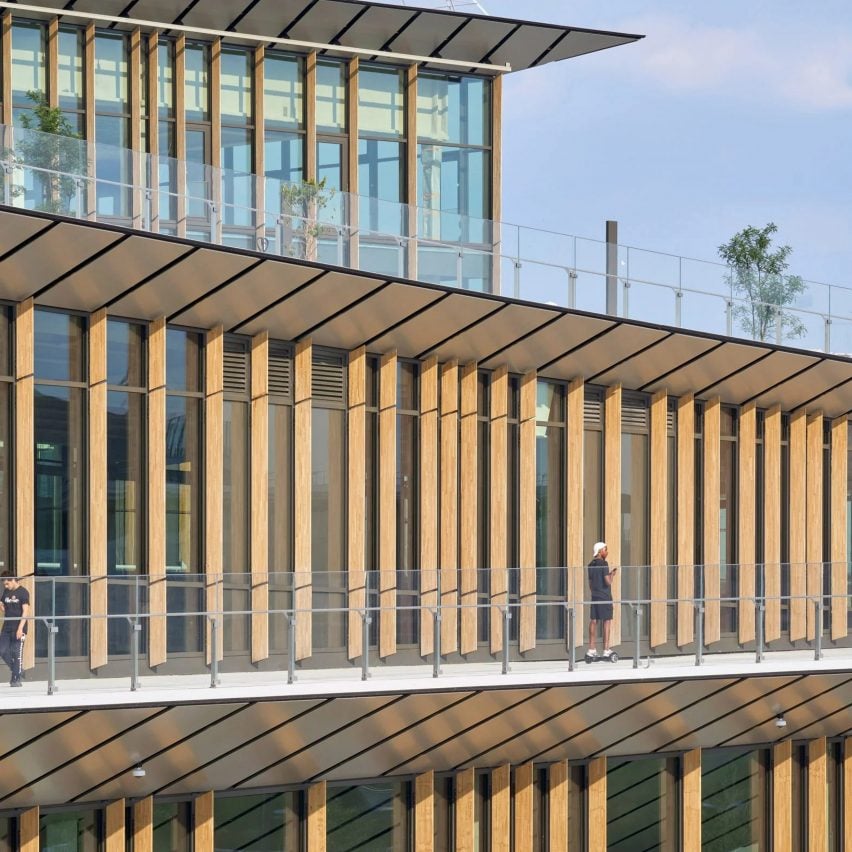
(271, 408)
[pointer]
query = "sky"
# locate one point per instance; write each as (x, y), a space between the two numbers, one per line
(727, 114)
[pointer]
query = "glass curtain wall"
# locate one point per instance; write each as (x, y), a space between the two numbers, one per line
(60, 475)
(237, 144)
(593, 471)
(172, 826)
(728, 504)
(184, 459)
(166, 137)
(407, 500)
(444, 839)
(28, 65)
(198, 144)
(266, 822)
(70, 77)
(381, 168)
(79, 831)
(550, 454)
(7, 389)
(370, 816)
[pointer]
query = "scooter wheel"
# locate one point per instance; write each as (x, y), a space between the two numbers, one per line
(613, 658)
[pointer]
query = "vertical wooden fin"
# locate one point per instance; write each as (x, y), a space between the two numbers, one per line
(782, 796)
(387, 503)
(156, 448)
(712, 497)
(839, 544)
(424, 812)
(259, 490)
(814, 545)
(6, 67)
(311, 116)
(449, 506)
(469, 566)
(501, 808)
(465, 809)
(692, 799)
(522, 828)
(497, 174)
(28, 830)
(659, 516)
(357, 496)
(612, 497)
(746, 521)
(557, 790)
(527, 514)
(597, 801)
(772, 522)
(316, 829)
(411, 168)
(429, 489)
(685, 519)
(115, 828)
(303, 587)
(574, 501)
(798, 523)
(143, 825)
(817, 815)
(203, 832)
(352, 186)
(498, 523)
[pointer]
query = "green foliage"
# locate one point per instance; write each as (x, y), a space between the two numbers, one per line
(301, 204)
(759, 274)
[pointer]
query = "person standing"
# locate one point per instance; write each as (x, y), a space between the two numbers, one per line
(15, 602)
(600, 585)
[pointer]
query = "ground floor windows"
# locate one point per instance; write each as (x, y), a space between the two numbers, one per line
(369, 816)
(71, 831)
(172, 827)
(269, 822)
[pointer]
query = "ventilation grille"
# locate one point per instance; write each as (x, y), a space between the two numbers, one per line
(593, 409)
(328, 378)
(634, 413)
(235, 367)
(671, 417)
(280, 370)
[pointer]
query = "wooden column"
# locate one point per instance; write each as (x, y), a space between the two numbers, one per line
(746, 521)
(259, 490)
(180, 132)
(839, 545)
(411, 168)
(596, 840)
(154, 127)
(692, 799)
(6, 67)
(114, 824)
(523, 807)
(311, 116)
(316, 830)
(782, 796)
(356, 496)
(89, 117)
(28, 830)
(352, 211)
(659, 516)
(817, 815)
(575, 436)
(798, 523)
(501, 809)
(429, 489)
(25, 459)
(449, 506)
(497, 175)
(814, 545)
(387, 504)
(143, 825)
(557, 794)
(469, 566)
(498, 522)
(685, 519)
(53, 62)
(214, 479)
(203, 832)
(215, 89)
(424, 812)
(772, 522)
(303, 597)
(156, 450)
(97, 516)
(526, 512)
(612, 498)
(712, 492)
(465, 810)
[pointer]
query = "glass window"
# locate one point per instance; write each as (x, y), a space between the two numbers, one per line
(283, 161)
(6, 390)
(642, 804)
(111, 73)
(166, 79)
(444, 812)
(235, 498)
(268, 822)
(283, 91)
(70, 831)
(328, 465)
(407, 497)
(125, 353)
(381, 104)
(196, 87)
(375, 816)
(183, 360)
(29, 62)
(236, 87)
(59, 346)
(172, 826)
(237, 178)
(280, 488)
(331, 97)
(113, 165)
(8, 834)
(733, 800)
(635, 517)
(70, 71)
(183, 483)
(454, 109)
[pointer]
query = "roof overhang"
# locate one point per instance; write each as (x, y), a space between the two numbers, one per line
(80, 745)
(85, 266)
(431, 37)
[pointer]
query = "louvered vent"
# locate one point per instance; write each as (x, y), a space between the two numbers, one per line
(280, 370)
(671, 417)
(328, 377)
(235, 365)
(593, 409)
(634, 413)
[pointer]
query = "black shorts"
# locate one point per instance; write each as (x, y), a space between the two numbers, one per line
(601, 611)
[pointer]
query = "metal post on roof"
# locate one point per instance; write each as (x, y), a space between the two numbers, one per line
(612, 268)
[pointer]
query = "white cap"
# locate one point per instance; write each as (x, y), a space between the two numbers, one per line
(598, 548)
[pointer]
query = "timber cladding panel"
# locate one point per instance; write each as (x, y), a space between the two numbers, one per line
(838, 526)
(387, 503)
(746, 526)
(659, 516)
(501, 809)
(798, 523)
(498, 513)
(782, 796)
(527, 514)
(214, 479)
(302, 492)
(712, 492)
(685, 519)
(449, 506)
(468, 508)
(424, 812)
(612, 497)
(429, 492)
(814, 508)
(356, 497)
(575, 435)
(772, 522)
(259, 497)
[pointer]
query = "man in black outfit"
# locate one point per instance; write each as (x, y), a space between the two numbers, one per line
(600, 585)
(15, 602)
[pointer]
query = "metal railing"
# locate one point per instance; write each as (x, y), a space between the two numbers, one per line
(98, 182)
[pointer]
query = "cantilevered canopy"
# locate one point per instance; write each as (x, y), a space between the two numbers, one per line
(513, 44)
(86, 266)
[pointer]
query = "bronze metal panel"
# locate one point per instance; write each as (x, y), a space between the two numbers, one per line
(435, 324)
(835, 402)
(170, 291)
(356, 747)
(241, 299)
(112, 273)
(426, 35)
(578, 43)
(597, 355)
(371, 317)
(18, 228)
(324, 21)
(374, 27)
(753, 380)
(494, 332)
(799, 389)
(707, 370)
(547, 344)
(479, 38)
(46, 258)
(305, 309)
(646, 366)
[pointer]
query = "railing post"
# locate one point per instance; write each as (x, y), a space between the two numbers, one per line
(572, 639)
(78, 199)
(365, 643)
(279, 234)
(52, 630)
(625, 286)
(436, 639)
(459, 270)
(339, 246)
(7, 183)
(818, 629)
(759, 607)
(507, 617)
(699, 633)
(572, 288)
(214, 652)
(828, 335)
(135, 630)
(729, 317)
(637, 650)
(679, 308)
(291, 642)
(779, 327)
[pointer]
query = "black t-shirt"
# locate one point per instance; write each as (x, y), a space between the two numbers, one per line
(600, 589)
(13, 601)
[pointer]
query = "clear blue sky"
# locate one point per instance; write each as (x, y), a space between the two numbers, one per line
(728, 113)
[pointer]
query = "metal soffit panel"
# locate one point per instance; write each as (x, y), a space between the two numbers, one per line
(792, 391)
(747, 382)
